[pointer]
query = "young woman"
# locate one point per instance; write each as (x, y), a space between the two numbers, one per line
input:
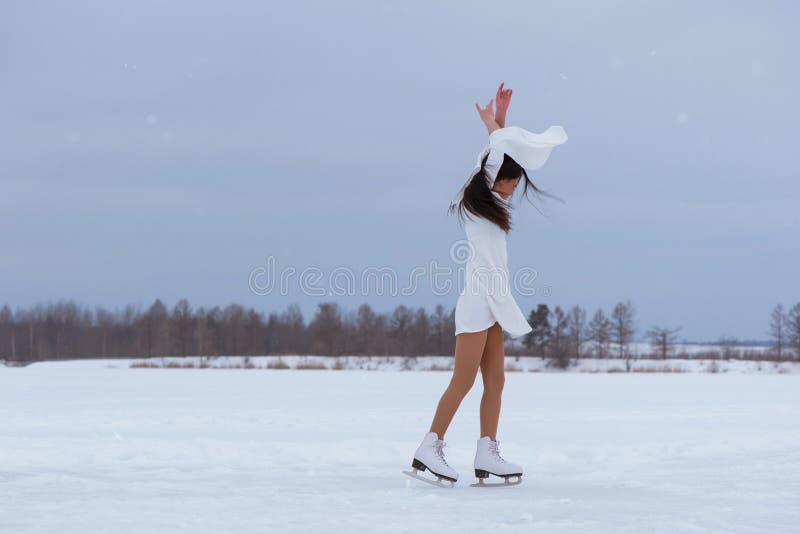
(485, 306)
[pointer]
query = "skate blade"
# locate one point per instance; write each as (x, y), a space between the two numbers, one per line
(507, 482)
(442, 482)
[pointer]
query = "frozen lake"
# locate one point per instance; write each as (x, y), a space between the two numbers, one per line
(99, 447)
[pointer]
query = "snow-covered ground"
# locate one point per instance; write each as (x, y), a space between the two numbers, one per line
(97, 446)
(444, 363)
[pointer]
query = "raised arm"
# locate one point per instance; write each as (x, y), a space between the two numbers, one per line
(503, 99)
(487, 116)
(495, 120)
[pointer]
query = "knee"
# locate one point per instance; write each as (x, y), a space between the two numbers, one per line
(494, 384)
(462, 387)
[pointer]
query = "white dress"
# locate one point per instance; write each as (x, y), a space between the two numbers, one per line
(486, 297)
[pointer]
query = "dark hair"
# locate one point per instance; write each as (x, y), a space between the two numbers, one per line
(479, 200)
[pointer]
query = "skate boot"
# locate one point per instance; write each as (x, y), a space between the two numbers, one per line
(429, 455)
(489, 462)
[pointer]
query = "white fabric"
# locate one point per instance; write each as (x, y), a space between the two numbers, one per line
(486, 297)
(529, 149)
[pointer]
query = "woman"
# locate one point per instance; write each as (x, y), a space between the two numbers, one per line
(486, 307)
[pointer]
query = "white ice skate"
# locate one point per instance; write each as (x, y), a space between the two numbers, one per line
(489, 462)
(430, 456)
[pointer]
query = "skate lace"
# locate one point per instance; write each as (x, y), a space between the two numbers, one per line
(495, 450)
(438, 446)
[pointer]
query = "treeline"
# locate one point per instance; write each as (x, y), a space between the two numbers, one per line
(563, 335)
(68, 330)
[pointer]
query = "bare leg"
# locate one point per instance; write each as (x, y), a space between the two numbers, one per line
(493, 374)
(469, 351)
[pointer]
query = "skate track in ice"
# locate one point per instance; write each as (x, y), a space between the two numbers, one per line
(95, 446)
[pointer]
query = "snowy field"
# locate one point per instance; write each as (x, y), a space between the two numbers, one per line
(97, 446)
(445, 363)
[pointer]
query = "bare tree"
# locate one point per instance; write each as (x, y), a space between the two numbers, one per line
(793, 328)
(181, 327)
(420, 333)
(234, 329)
(443, 327)
(439, 331)
(599, 332)
(400, 329)
(777, 329)
(622, 329)
(7, 333)
(105, 322)
(576, 329)
(663, 340)
(201, 331)
(256, 332)
(287, 333)
(325, 329)
(559, 346)
(215, 324)
(366, 335)
(27, 318)
(154, 330)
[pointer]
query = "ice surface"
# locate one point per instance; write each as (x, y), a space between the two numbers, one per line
(95, 446)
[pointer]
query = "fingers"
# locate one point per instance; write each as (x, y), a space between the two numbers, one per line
(503, 93)
(488, 107)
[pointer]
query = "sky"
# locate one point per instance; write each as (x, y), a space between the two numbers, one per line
(188, 149)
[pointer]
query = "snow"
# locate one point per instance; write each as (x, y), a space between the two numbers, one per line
(443, 363)
(97, 446)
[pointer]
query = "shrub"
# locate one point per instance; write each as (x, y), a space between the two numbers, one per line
(660, 369)
(144, 364)
(305, 366)
(277, 364)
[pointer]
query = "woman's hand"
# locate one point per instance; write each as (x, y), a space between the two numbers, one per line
(503, 99)
(487, 116)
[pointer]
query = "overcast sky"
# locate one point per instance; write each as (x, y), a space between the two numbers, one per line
(167, 149)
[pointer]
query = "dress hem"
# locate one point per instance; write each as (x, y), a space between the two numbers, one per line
(512, 334)
(479, 329)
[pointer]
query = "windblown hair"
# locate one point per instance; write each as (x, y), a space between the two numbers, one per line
(478, 198)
